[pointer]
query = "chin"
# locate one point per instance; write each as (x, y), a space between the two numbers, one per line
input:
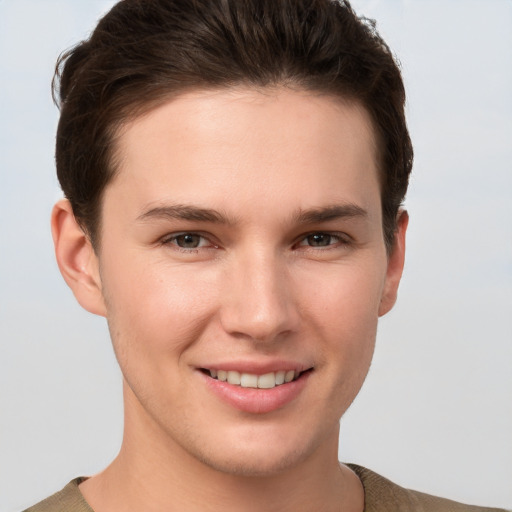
(261, 454)
(254, 465)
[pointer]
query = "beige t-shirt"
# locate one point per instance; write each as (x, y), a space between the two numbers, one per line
(381, 495)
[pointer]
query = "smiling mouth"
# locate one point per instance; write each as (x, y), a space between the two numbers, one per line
(250, 380)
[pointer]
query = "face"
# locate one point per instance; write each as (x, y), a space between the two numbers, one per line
(242, 271)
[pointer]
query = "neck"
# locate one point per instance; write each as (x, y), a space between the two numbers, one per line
(154, 473)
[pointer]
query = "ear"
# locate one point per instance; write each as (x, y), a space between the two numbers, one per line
(76, 258)
(395, 265)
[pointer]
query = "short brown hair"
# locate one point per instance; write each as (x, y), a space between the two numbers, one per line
(144, 52)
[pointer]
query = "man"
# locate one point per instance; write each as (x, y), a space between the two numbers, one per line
(233, 173)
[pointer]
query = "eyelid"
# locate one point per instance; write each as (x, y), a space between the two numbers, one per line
(343, 239)
(170, 237)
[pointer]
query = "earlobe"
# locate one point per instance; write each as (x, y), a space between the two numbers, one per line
(395, 267)
(76, 259)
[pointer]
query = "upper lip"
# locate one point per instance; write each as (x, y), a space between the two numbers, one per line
(256, 367)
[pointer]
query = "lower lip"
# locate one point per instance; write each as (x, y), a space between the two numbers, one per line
(257, 401)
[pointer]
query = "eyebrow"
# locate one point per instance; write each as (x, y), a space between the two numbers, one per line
(332, 212)
(185, 212)
(198, 214)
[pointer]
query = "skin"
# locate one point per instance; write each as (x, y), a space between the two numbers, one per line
(272, 278)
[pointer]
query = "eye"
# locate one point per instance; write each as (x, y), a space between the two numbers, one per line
(319, 240)
(322, 240)
(187, 241)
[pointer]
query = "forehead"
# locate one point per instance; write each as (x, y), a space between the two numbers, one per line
(244, 145)
(210, 111)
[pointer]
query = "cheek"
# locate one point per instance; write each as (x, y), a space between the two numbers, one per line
(344, 311)
(159, 310)
(347, 297)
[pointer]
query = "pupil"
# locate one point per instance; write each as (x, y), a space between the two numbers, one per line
(188, 241)
(319, 240)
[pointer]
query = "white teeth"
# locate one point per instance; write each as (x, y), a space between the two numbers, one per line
(234, 378)
(267, 381)
(250, 380)
(289, 376)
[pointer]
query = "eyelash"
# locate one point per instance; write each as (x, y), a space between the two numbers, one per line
(171, 240)
(340, 240)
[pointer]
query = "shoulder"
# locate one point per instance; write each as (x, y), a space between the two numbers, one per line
(69, 499)
(382, 495)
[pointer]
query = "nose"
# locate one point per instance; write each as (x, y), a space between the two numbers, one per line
(259, 302)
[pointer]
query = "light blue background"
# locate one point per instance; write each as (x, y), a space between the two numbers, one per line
(436, 411)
